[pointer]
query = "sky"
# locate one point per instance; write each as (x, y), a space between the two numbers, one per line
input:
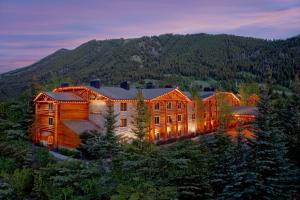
(33, 29)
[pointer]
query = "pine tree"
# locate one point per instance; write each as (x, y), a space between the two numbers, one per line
(141, 119)
(274, 175)
(192, 183)
(200, 108)
(290, 120)
(104, 146)
(242, 182)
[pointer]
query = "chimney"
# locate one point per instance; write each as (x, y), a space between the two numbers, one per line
(125, 85)
(64, 84)
(149, 85)
(95, 83)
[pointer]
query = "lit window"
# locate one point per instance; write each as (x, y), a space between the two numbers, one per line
(169, 105)
(123, 106)
(179, 118)
(50, 106)
(156, 106)
(179, 106)
(123, 123)
(156, 120)
(50, 120)
(193, 116)
(169, 119)
(169, 134)
(157, 137)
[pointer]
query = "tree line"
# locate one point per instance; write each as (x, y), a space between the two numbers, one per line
(265, 166)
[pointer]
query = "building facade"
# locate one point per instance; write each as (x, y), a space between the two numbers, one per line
(62, 115)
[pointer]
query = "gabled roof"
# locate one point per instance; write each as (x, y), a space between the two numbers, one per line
(60, 96)
(64, 96)
(123, 94)
(80, 126)
(155, 92)
(203, 95)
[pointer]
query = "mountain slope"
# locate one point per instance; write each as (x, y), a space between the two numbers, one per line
(222, 57)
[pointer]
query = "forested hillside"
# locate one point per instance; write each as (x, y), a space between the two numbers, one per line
(224, 58)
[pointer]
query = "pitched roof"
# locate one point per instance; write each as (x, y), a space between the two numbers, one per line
(155, 92)
(63, 96)
(203, 95)
(80, 126)
(120, 93)
(244, 110)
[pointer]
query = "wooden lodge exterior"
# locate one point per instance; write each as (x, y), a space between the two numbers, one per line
(62, 115)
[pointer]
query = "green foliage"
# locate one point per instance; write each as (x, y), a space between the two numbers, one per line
(225, 58)
(22, 181)
(141, 118)
(246, 90)
(200, 108)
(275, 176)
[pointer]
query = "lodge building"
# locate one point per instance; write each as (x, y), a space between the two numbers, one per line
(62, 115)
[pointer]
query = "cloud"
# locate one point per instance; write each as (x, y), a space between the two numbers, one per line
(33, 29)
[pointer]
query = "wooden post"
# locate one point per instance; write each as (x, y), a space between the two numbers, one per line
(176, 119)
(56, 125)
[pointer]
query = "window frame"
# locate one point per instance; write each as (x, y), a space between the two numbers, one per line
(50, 106)
(179, 116)
(193, 116)
(179, 107)
(157, 106)
(122, 124)
(169, 105)
(50, 121)
(156, 120)
(169, 119)
(123, 106)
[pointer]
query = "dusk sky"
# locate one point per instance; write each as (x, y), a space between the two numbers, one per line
(32, 29)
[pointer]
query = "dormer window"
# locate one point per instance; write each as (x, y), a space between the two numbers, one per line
(156, 106)
(50, 106)
(169, 105)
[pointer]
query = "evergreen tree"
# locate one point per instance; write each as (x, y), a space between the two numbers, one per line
(141, 119)
(290, 120)
(242, 182)
(200, 108)
(104, 146)
(220, 153)
(274, 175)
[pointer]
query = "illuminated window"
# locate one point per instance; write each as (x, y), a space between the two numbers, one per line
(157, 136)
(156, 120)
(50, 106)
(169, 105)
(169, 134)
(169, 119)
(179, 106)
(193, 116)
(50, 120)
(179, 118)
(123, 106)
(123, 123)
(156, 106)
